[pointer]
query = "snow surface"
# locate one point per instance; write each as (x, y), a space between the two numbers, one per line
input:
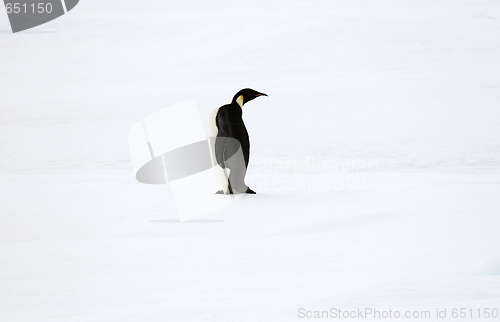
(376, 159)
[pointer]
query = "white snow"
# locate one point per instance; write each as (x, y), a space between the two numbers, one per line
(376, 159)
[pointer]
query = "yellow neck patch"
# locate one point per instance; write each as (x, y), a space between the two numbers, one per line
(239, 100)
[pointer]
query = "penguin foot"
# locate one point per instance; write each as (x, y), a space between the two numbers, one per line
(250, 191)
(221, 192)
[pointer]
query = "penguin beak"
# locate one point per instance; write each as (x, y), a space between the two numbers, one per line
(260, 94)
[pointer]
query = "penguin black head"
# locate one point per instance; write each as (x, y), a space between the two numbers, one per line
(245, 96)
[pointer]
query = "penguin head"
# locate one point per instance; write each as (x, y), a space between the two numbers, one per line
(245, 96)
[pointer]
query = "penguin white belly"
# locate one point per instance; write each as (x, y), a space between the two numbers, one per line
(219, 173)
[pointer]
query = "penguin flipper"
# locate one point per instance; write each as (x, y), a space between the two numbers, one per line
(225, 148)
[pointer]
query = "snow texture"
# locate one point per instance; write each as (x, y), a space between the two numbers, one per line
(375, 158)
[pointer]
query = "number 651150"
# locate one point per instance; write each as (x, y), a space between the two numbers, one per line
(23, 8)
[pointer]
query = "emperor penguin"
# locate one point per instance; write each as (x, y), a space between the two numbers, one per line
(229, 143)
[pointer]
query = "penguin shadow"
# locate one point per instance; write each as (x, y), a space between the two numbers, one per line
(177, 221)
